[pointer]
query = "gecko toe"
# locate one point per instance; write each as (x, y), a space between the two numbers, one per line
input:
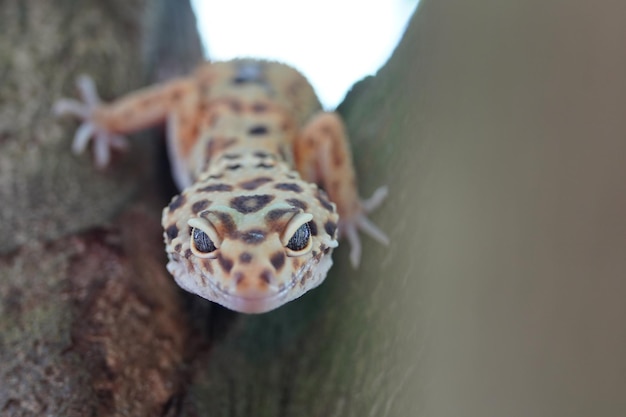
(88, 91)
(102, 150)
(375, 200)
(68, 106)
(372, 230)
(355, 245)
(82, 137)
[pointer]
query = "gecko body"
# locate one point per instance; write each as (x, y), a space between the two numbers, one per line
(249, 146)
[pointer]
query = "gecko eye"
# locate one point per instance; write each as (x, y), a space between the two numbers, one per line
(301, 239)
(202, 242)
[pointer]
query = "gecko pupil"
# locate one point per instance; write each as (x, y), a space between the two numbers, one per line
(202, 241)
(300, 238)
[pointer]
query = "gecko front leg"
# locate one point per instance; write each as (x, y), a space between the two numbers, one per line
(105, 123)
(323, 156)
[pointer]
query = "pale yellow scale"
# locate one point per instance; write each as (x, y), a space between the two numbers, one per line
(248, 145)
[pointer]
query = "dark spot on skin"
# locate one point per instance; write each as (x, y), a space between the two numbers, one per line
(262, 165)
(217, 187)
(172, 231)
(176, 95)
(266, 276)
(239, 278)
(253, 237)
(208, 151)
(225, 263)
(209, 266)
(194, 131)
(250, 204)
(226, 221)
(218, 144)
(322, 199)
(235, 106)
(233, 167)
(338, 160)
(231, 156)
(295, 264)
(206, 263)
(306, 277)
(327, 130)
(258, 130)
(261, 154)
(178, 247)
(255, 183)
(283, 153)
(313, 227)
(147, 102)
(330, 228)
(187, 254)
(248, 72)
(259, 107)
(198, 206)
(278, 260)
(297, 203)
(276, 214)
(288, 187)
(245, 258)
(178, 201)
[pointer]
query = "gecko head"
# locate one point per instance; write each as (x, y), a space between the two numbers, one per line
(253, 244)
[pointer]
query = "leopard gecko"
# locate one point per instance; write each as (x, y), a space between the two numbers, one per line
(248, 145)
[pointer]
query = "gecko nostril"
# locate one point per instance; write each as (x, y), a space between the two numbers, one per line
(239, 277)
(267, 276)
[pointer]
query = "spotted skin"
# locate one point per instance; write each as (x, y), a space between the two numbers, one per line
(249, 146)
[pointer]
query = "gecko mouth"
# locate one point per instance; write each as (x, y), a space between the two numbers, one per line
(251, 304)
(260, 303)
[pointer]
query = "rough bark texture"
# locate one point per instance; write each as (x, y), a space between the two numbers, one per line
(498, 126)
(46, 191)
(90, 322)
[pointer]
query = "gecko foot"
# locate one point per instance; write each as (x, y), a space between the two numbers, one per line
(350, 227)
(103, 139)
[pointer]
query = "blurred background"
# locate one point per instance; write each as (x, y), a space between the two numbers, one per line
(314, 37)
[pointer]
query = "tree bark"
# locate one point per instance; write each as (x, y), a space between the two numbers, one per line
(90, 322)
(499, 128)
